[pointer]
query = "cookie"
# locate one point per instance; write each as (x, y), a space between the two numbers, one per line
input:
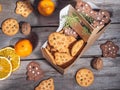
(24, 8)
(10, 27)
(93, 14)
(71, 40)
(106, 16)
(70, 32)
(58, 41)
(34, 71)
(26, 28)
(83, 7)
(109, 49)
(76, 47)
(46, 85)
(62, 58)
(84, 77)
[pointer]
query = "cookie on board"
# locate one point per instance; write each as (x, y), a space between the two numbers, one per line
(10, 26)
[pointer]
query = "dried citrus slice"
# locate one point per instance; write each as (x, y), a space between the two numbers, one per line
(11, 55)
(5, 68)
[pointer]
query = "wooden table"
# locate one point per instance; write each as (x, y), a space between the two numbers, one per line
(106, 79)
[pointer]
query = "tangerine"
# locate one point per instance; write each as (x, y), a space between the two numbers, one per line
(46, 7)
(23, 47)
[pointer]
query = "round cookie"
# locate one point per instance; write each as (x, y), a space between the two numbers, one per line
(84, 77)
(10, 27)
(58, 41)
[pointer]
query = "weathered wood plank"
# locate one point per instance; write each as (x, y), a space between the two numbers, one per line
(107, 78)
(35, 19)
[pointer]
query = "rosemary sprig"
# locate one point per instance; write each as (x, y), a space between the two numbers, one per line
(74, 19)
(71, 20)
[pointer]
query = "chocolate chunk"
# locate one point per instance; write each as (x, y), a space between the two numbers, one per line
(109, 49)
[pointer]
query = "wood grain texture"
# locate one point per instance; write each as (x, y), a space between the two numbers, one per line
(105, 79)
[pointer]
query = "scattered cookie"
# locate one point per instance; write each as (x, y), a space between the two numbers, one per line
(26, 28)
(70, 32)
(58, 41)
(76, 47)
(109, 49)
(46, 85)
(97, 63)
(23, 8)
(10, 27)
(62, 58)
(84, 77)
(34, 72)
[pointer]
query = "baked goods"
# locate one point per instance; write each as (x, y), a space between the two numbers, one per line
(97, 63)
(76, 47)
(84, 77)
(10, 26)
(105, 16)
(34, 71)
(23, 8)
(58, 41)
(70, 32)
(26, 28)
(62, 58)
(46, 85)
(82, 7)
(109, 49)
(95, 18)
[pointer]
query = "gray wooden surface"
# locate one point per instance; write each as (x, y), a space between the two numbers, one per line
(106, 79)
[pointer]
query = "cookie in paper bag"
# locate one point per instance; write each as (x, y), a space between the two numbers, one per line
(23, 8)
(76, 47)
(62, 58)
(58, 41)
(46, 85)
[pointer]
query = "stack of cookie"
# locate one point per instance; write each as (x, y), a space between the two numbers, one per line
(64, 46)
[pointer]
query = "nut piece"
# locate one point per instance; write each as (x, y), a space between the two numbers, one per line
(26, 28)
(97, 63)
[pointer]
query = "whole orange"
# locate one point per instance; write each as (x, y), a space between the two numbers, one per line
(23, 47)
(46, 7)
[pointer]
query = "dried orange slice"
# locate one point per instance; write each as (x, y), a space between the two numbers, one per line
(11, 55)
(5, 68)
